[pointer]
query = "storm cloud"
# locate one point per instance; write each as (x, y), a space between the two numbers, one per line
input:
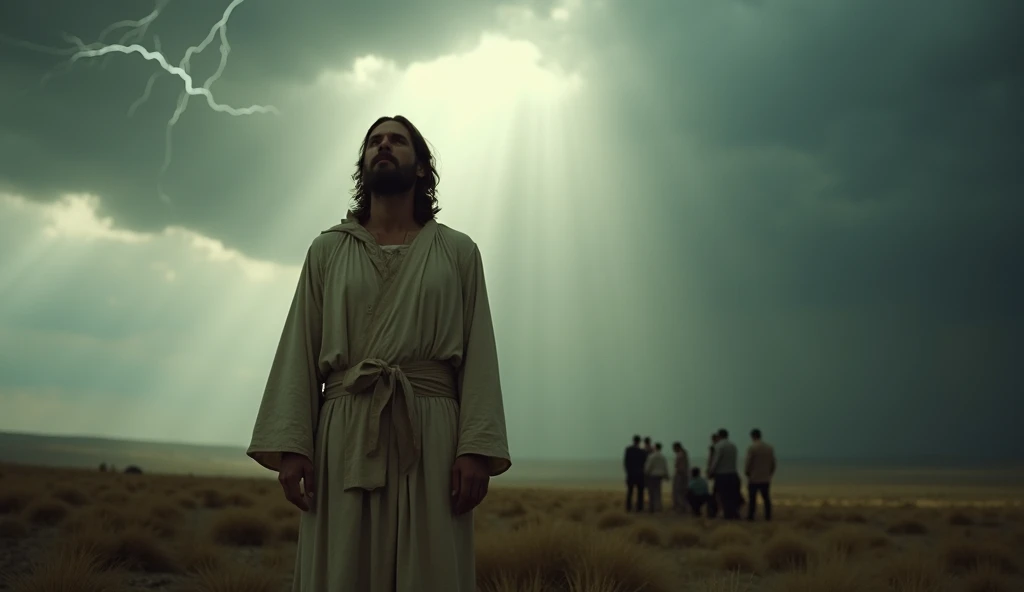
(801, 216)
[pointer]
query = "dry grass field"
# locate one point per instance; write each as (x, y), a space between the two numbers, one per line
(80, 531)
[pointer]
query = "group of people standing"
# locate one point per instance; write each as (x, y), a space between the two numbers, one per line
(647, 469)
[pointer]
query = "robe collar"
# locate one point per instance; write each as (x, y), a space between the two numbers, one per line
(350, 225)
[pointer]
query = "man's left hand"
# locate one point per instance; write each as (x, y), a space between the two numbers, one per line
(470, 476)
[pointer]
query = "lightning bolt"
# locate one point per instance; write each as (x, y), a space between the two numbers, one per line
(131, 44)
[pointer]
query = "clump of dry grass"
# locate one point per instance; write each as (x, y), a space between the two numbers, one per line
(851, 540)
(964, 556)
(47, 512)
(235, 578)
(834, 575)
(576, 514)
(738, 558)
(164, 512)
(288, 532)
(197, 556)
(912, 572)
(159, 519)
(278, 559)
(732, 581)
(239, 500)
(115, 498)
(684, 537)
(133, 549)
(908, 526)
(12, 502)
(987, 580)
(212, 499)
(526, 521)
(512, 509)
(12, 528)
(810, 523)
(788, 552)
(613, 519)
(569, 556)
(281, 511)
(647, 533)
(71, 496)
(66, 569)
(959, 518)
(729, 535)
(241, 528)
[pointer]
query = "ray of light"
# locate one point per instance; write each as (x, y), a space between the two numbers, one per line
(525, 163)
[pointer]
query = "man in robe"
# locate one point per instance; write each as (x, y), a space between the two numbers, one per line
(383, 412)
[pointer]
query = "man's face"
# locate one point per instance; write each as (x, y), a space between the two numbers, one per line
(389, 165)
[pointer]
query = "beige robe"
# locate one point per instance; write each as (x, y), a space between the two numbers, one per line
(405, 347)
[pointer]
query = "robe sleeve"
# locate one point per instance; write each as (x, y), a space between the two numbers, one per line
(481, 409)
(291, 401)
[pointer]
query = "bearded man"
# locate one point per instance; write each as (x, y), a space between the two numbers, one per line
(383, 411)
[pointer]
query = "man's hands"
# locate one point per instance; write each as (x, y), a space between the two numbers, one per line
(295, 468)
(470, 476)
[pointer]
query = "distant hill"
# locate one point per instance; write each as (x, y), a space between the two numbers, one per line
(152, 457)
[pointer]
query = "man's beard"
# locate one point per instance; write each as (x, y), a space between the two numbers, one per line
(389, 180)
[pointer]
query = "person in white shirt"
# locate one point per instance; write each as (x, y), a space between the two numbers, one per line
(656, 470)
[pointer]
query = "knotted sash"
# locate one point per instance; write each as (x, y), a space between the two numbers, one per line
(392, 390)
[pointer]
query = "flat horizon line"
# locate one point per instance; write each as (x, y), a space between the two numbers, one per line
(905, 461)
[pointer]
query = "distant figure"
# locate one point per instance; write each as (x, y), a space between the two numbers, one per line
(656, 470)
(759, 468)
(713, 504)
(649, 449)
(103, 467)
(697, 491)
(633, 463)
(681, 477)
(727, 479)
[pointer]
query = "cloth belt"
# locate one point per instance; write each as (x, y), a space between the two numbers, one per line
(392, 406)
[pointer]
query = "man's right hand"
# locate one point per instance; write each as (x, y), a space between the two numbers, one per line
(295, 468)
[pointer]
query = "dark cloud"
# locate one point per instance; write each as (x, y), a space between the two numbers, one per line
(824, 200)
(73, 134)
(841, 185)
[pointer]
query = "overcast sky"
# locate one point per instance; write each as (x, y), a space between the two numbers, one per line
(796, 215)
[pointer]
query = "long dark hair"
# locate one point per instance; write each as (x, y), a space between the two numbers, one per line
(424, 207)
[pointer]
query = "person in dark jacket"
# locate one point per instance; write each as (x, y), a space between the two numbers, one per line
(633, 462)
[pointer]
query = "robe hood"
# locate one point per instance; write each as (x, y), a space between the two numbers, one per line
(350, 225)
